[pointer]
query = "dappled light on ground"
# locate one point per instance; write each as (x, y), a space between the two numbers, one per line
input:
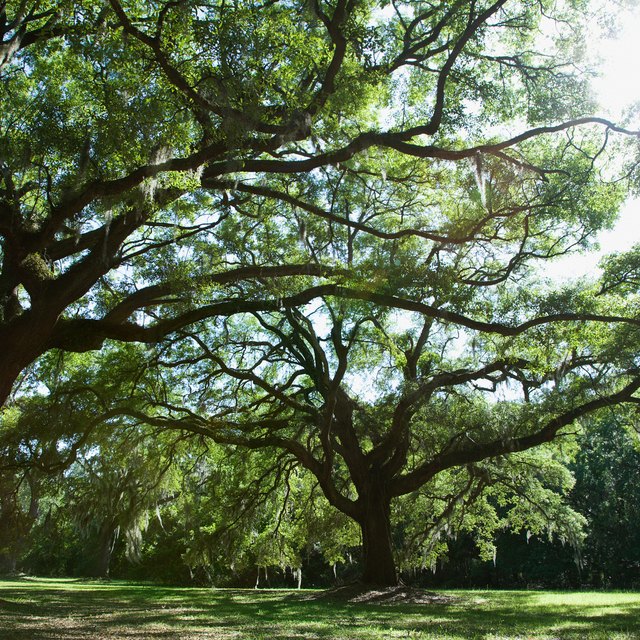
(51, 609)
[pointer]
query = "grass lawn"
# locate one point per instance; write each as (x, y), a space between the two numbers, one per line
(36, 609)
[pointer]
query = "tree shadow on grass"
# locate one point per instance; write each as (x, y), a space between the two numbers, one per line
(136, 612)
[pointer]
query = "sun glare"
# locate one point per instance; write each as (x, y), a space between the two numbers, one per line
(617, 87)
(616, 52)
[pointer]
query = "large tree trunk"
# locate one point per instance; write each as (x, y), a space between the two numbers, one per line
(21, 342)
(103, 551)
(379, 565)
(12, 362)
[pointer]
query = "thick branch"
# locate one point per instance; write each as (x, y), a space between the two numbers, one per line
(398, 141)
(477, 452)
(83, 334)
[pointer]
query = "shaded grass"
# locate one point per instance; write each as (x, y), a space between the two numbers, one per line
(63, 608)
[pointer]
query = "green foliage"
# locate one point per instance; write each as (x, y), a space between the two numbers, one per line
(605, 493)
(327, 221)
(606, 471)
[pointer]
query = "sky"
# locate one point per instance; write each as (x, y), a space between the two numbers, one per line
(617, 89)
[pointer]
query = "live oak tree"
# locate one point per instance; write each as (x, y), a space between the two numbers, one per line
(376, 413)
(428, 378)
(331, 213)
(376, 405)
(218, 508)
(35, 450)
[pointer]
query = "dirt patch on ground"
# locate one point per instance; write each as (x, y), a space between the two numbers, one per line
(400, 594)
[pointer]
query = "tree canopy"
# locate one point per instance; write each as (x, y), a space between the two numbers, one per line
(329, 220)
(134, 132)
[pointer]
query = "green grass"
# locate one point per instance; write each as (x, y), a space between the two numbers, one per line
(62, 608)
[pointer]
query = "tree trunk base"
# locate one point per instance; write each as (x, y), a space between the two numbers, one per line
(357, 592)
